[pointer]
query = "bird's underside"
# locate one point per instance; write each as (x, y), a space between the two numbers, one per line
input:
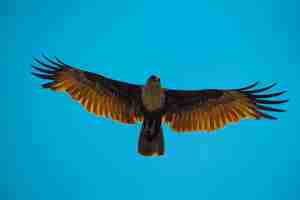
(182, 110)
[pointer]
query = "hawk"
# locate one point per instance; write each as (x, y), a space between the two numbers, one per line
(152, 105)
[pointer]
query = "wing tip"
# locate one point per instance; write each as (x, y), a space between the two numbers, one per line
(260, 99)
(248, 86)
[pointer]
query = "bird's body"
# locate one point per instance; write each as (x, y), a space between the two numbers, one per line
(151, 136)
(152, 105)
(153, 95)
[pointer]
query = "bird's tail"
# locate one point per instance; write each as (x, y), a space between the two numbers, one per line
(151, 141)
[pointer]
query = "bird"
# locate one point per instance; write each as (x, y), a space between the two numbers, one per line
(152, 105)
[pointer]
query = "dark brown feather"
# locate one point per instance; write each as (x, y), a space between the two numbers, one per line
(98, 94)
(215, 108)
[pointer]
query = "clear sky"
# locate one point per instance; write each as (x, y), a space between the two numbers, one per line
(51, 148)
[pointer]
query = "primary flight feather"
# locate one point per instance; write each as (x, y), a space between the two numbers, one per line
(151, 104)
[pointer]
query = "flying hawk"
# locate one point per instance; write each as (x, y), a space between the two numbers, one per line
(152, 105)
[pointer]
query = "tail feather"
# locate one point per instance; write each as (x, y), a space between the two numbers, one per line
(151, 141)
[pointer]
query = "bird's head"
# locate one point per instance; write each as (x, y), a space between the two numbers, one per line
(153, 81)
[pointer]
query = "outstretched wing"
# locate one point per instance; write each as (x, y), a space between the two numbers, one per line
(98, 94)
(208, 110)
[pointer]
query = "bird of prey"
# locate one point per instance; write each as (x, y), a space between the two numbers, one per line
(152, 105)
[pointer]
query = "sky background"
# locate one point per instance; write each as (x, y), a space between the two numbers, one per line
(51, 148)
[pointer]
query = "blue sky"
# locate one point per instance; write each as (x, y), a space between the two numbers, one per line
(50, 148)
